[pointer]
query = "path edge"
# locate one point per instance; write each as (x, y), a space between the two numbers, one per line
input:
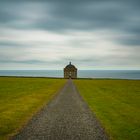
(17, 131)
(92, 113)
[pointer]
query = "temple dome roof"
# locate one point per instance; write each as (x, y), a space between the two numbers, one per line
(70, 66)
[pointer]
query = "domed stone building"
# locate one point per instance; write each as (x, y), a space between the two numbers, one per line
(70, 71)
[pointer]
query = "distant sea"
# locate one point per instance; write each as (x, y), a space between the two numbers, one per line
(116, 74)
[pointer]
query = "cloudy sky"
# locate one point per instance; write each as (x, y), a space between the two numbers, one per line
(47, 34)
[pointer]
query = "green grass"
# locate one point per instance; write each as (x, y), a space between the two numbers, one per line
(116, 104)
(20, 98)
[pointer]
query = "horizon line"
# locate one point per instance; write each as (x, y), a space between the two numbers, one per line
(62, 69)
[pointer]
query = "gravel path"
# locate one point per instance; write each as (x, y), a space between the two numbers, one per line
(67, 117)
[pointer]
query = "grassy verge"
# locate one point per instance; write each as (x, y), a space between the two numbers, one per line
(20, 98)
(117, 105)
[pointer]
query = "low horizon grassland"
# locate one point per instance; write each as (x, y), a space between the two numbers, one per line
(21, 98)
(116, 104)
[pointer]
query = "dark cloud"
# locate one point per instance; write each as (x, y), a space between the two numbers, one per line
(61, 15)
(130, 41)
(10, 44)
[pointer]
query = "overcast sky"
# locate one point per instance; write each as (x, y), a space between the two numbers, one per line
(92, 34)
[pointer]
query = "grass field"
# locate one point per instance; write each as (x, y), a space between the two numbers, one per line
(20, 98)
(116, 104)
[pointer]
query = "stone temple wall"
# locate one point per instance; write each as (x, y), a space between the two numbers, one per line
(70, 73)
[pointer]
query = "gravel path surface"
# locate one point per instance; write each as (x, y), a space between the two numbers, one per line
(67, 117)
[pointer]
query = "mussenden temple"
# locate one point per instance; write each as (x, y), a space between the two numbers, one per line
(70, 71)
